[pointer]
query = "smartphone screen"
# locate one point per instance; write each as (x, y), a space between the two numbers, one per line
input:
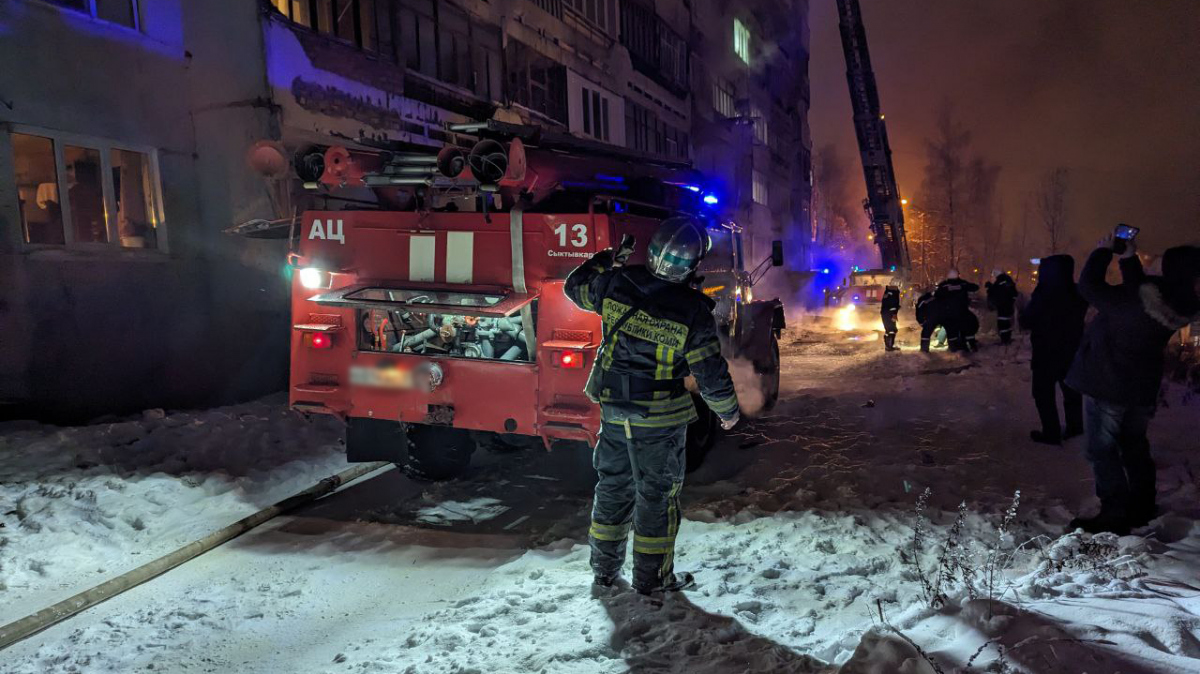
(1126, 232)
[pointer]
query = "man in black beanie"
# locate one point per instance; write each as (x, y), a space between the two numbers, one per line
(1119, 370)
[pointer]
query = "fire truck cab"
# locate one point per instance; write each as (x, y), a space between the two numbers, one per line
(427, 301)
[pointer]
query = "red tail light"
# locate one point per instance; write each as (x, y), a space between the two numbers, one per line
(569, 359)
(319, 340)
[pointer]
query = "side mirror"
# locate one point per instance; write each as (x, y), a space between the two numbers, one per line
(776, 253)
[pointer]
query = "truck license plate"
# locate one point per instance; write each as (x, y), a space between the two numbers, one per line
(381, 377)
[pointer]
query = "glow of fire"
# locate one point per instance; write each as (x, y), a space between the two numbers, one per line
(846, 318)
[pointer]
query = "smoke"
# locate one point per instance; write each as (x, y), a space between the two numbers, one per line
(748, 385)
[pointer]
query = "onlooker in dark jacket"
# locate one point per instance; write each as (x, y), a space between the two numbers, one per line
(1054, 318)
(1119, 370)
(1002, 298)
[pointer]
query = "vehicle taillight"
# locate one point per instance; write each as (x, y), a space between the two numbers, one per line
(569, 359)
(318, 340)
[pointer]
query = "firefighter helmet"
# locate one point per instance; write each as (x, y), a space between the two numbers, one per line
(676, 249)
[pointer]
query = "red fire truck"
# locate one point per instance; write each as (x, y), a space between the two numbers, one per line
(427, 300)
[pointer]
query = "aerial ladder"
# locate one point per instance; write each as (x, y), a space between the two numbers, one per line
(882, 204)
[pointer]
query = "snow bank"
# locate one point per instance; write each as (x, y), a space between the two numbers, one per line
(80, 505)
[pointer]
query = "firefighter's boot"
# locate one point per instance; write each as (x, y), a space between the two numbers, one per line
(676, 582)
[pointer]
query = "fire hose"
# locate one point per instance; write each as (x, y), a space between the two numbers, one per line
(32, 624)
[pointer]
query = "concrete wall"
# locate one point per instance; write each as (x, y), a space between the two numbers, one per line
(86, 332)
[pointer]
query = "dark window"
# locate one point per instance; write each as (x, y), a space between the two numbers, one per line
(587, 110)
(537, 82)
(604, 111)
(122, 12)
(418, 36)
(600, 13)
(488, 72)
(639, 32)
(638, 126)
(364, 23)
(440, 41)
(655, 49)
(644, 131)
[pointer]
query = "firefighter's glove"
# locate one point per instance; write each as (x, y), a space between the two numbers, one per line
(729, 422)
(602, 261)
(624, 250)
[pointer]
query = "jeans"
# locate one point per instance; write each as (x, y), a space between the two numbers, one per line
(640, 473)
(1120, 456)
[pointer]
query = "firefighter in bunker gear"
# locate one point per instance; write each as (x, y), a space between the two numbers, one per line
(888, 309)
(1002, 298)
(954, 302)
(929, 316)
(657, 330)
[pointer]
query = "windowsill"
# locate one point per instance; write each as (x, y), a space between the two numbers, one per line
(84, 252)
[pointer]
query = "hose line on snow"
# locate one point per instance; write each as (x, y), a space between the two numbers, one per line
(32, 624)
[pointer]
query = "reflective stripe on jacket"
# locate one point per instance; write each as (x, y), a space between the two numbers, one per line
(672, 335)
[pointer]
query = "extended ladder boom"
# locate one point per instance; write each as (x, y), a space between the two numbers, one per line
(883, 198)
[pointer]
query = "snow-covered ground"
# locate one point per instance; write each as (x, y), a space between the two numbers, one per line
(800, 528)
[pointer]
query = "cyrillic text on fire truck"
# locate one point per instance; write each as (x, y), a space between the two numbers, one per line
(331, 230)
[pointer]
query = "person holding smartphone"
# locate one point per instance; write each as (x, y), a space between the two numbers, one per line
(1119, 370)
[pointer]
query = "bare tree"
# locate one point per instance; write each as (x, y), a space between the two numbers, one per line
(958, 196)
(1051, 206)
(942, 189)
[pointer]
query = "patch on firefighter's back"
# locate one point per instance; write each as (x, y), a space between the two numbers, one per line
(644, 326)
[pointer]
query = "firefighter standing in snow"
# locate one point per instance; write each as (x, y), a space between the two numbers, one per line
(1002, 297)
(888, 309)
(953, 296)
(657, 330)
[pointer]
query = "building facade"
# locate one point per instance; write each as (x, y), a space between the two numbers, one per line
(123, 148)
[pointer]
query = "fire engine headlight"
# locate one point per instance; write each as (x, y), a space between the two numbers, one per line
(311, 277)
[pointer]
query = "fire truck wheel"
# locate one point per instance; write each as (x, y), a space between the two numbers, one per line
(701, 434)
(768, 373)
(438, 452)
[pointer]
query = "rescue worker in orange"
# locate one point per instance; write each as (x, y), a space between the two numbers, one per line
(658, 329)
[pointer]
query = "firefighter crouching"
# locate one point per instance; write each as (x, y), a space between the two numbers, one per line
(889, 308)
(657, 329)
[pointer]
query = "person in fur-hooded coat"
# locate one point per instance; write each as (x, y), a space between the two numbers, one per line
(1119, 370)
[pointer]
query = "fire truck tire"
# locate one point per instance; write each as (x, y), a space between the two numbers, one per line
(701, 434)
(438, 452)
(768, 373)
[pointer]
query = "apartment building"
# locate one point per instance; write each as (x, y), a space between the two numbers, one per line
(123, 141)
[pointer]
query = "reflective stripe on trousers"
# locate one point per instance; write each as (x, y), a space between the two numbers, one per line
(640, 476)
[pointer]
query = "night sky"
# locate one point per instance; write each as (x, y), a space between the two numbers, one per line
(1109, 89)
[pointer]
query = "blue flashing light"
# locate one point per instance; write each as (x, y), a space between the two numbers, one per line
(825, 270)
(693, 188)
(711, 199)
(611, 179)
(856, 298)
